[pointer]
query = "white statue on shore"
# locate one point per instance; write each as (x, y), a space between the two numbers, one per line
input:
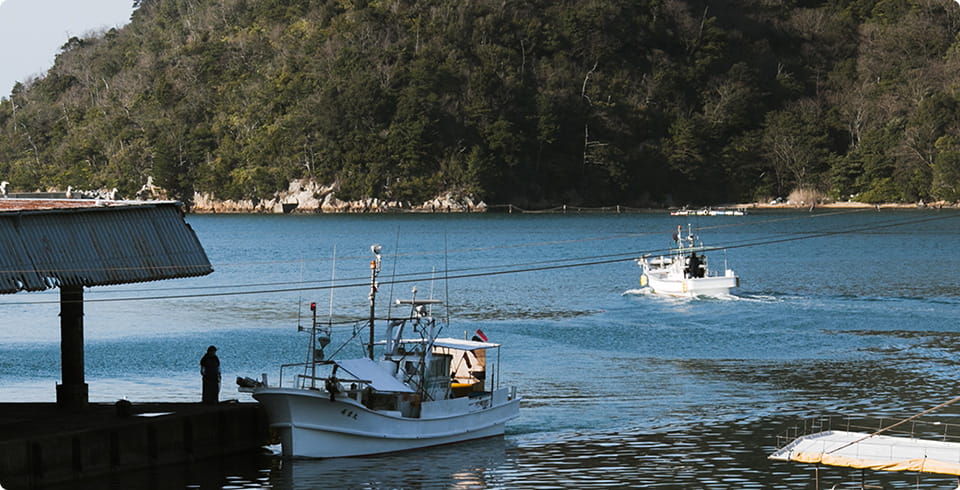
(148, 191)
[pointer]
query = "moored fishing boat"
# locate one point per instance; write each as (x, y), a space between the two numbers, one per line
(684, 271)
(421, 391)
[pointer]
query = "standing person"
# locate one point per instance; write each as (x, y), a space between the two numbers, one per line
(210, 371)
(693, 266)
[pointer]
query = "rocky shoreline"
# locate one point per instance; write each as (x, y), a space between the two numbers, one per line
(449, 204)
(307, 196)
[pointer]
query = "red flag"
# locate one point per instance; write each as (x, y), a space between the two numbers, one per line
(480, 335)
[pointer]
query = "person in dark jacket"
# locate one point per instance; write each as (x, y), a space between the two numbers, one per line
(693, 266)
(210, 371)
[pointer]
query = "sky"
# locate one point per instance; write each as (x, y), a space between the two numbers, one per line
(32, 32)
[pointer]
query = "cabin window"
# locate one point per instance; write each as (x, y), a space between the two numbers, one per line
(378, 401)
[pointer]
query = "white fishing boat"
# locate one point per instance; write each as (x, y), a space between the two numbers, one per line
(684, 271)
(421, 391)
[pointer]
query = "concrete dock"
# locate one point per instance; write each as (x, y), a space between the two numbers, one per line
(42, 445)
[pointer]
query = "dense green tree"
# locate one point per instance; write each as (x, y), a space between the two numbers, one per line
(537, 103)
(795, 142)
(946, 170)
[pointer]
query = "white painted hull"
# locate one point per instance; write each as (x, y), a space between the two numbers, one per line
(690, 287)
(311, 426)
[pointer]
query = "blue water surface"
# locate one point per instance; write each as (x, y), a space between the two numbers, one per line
(838, 311)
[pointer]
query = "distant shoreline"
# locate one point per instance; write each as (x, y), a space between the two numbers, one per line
(306, 203)
(747, 207)
(844, 205)
(360, 208)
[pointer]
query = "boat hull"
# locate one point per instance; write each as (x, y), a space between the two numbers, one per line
(311, 426)
(689, 287)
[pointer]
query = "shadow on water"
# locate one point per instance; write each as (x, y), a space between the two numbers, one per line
(731, 454)
(879, 387)
(247, 470)
(702, 455)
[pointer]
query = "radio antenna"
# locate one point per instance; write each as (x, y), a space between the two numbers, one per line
(446, 279)
(333, 277)
(300, 296)
(393, 275)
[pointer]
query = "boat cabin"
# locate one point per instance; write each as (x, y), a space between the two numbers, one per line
(453, 368)
(402, 381)
(468, 368)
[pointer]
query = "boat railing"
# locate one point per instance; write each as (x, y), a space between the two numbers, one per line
(301, 380)
(357, 383)
(696, 248)
(915, 429)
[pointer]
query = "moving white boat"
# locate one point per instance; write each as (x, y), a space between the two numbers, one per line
(684, 271)
(422, 391)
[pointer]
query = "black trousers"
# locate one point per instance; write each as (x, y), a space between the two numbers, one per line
(211, 389)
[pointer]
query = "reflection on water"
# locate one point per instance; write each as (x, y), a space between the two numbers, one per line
(709, 455)
(468, 465)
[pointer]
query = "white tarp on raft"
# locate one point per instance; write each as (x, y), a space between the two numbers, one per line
(875, 452)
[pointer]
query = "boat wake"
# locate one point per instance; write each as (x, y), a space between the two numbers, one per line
(700, 297)
(756, 298)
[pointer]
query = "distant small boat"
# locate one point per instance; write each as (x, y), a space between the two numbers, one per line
(684, 271)
(422, 391)
(709, 212)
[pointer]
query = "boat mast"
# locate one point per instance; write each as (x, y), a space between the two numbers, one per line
(374, 270)
(313, 346)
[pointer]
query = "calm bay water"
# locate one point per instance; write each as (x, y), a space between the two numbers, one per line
(621, 388)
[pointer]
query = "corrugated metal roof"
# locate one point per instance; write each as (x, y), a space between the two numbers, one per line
(46, 244)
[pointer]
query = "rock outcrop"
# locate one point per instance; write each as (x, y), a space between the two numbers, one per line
(301, 196)
(308, 196)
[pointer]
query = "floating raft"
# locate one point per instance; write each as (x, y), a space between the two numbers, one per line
(875, 452)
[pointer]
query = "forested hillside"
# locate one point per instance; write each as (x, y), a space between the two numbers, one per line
(539, 102)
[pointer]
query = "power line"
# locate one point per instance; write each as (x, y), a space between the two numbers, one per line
(418, 276)
(457, 251)
(426, 253)
(539, 266)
